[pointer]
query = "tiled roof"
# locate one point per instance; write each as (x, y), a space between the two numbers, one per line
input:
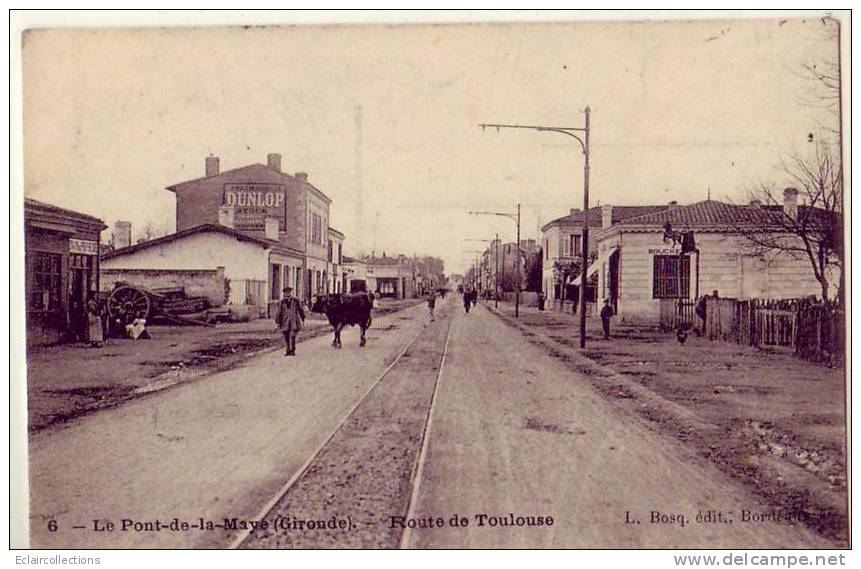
(37, 207)
(714, 213)
(594, 215)
(198, 229)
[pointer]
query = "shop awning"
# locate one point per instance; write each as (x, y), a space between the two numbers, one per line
(593, 268)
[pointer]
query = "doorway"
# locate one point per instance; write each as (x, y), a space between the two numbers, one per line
(80, 284)
(613, 281)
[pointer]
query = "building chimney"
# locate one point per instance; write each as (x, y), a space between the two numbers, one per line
(302, 176)
(271, 229)
(606, 216)
(212, 166)
(755, 203)
(574, 212)
(790, 203)
(673, 203)
(122, 234)
(274, 162)
(227, 216)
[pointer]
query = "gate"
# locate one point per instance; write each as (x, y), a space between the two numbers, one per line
(675, 311)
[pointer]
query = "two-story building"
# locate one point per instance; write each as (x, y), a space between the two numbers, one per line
(561, 244)
(265, 227)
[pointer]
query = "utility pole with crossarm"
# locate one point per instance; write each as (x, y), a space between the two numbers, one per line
(584, 144)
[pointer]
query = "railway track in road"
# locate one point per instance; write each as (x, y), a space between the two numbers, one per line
(348, 470)
(418, 470)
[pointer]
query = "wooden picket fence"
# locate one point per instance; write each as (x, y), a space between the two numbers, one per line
(812, 328)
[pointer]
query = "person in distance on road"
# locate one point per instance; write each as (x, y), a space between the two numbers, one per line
(431, 304)
(467, 301)
(290, 318)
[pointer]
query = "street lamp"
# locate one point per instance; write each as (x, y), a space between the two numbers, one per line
(584, 144)
(516, 218)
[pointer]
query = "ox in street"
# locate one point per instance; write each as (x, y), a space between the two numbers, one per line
(343, 309)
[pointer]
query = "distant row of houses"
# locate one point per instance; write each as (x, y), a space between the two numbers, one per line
(256, 227)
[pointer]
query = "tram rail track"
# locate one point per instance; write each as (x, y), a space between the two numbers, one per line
(243, 538)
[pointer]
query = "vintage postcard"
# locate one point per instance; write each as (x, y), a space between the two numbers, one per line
(576, 282)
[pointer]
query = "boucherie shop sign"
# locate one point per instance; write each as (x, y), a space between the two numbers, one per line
(253, 203)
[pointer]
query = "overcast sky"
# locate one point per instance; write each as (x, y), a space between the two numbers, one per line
(111, 117)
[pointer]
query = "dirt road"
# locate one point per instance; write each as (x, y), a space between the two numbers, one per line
(520, 437)
(517, 450)
(212, 449)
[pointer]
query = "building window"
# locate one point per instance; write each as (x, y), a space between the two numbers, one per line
(329, 252)
(546, 249)
(274, 281)
(576, 245)
(671, 276)
(340, 254)
(46, 287)
(315, 228)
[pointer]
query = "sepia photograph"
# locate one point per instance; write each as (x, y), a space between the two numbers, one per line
(545, 280)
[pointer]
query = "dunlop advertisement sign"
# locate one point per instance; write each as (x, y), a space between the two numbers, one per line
(253, 203)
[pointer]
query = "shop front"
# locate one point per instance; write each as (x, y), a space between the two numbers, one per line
(62, 271)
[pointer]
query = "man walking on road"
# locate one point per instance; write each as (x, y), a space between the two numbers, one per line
(290, 318)
(606, 314)
(431, 304)
(467, 301)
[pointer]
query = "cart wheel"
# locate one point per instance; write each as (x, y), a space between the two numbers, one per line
(128, 303)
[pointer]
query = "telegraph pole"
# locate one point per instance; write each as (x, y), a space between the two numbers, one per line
(517, 292)
(585, 250)
(496, 276)
(584, 144)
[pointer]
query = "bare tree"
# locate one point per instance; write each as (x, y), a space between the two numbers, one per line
(815, 229)
(150, 232)
(821, 73)
(812, 230)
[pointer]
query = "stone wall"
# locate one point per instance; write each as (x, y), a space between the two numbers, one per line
(208, 283)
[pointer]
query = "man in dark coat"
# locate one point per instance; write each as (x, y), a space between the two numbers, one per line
(290, 318)
(431, 304)
(467, 301)
(606, 314)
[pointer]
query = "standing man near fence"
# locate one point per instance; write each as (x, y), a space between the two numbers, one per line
(290, 318)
